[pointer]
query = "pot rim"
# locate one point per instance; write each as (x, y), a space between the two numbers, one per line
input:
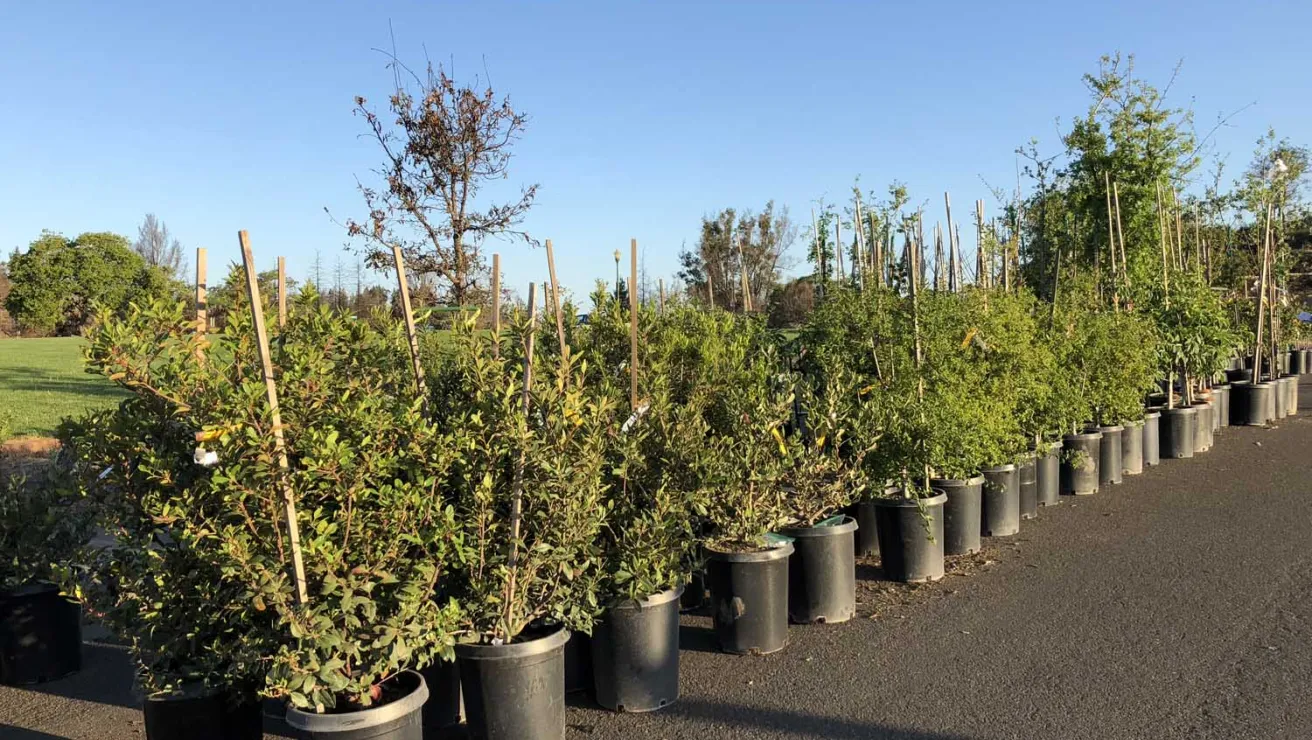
(779, 552)
(1003, 468)
(1132, 423)
(1185, 410)
(537, 646)
(938, 498)
(847, 526)
(976, 480)
(1081, 437)
(664, 597)
(371, 717)
(1152, 415)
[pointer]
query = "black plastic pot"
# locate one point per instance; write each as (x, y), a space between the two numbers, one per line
(822, 573)
(1276, 408)
(1080, 454)
(749, 599)
(911, 538)
(1248, 403)
(399, 719)
(443, 709)
(578, 663)
(40, 635)
(516, 690)
(1049, 475)
(1291, 394)
(1132, 447)
(867, 533)
(1152, 452)
(635, 654)
(1202, 427)
(694, 594)
(961, 513)
(1027, 473)
(1110, 469)
(1221, 393)
(1238, 375)
(200, 713)
(1177, 432)
(1000, 513)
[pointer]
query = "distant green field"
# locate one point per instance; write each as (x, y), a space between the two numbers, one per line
(42, 381)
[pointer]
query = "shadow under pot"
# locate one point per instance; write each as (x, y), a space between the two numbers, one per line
(1132, 447)
(198, 712)
(1079, 463)
(1000, 514)
(40, 635)
(867, 533)
(822, 572)
(749, 599)
(1110, 469)
(1248, 403)
(1027, 471)
(399, 716)
(961, 513)
(1152, 452)
(515, 690)
(911, 537)
(1048, 469)
(635, 654)
(1177, 432)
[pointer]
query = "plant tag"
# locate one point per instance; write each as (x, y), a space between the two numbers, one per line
(832, 521)
(205, 458)
(104, 473)
(773, 540)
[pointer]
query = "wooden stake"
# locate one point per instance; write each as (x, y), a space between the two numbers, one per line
(633, 326)
(202, 299)
(1120, 232)
(496, 304)
(747, 283)
(271, 393)
(411, 333)
(859, 266)
(1261, 299)
(954, 259)
(517, 494)
(838, 248)
(938, 258)
(661, 283)
(282, 293)
(878, 259)
(555, 303)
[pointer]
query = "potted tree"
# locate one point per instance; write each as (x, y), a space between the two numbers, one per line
(43, 526)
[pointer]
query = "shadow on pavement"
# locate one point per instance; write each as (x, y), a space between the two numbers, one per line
(9, 732)
(797, 723)
(106, 678)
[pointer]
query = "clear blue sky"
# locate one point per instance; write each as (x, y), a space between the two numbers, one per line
(237, 115)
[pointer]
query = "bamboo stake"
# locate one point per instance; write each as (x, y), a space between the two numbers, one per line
(710, 287)
(1166, 279)
(202, 300)
(271, 394)
(956, 249)
(878, 258)
(1179, 228)
(661, 282)
(954, 259)
(1261, 299)
(633, 326)
(860, 246)
(938, 258)
(1111, 241)
(821, 268)
(920, 248)
(985, 264)
(838, 248)
(517, 496)
(747, 283)
(1120, 232)
(555, 302)
(282, 292)
(496, 304)
(411, 333)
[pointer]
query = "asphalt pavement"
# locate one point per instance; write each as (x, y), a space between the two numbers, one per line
(1175, 605)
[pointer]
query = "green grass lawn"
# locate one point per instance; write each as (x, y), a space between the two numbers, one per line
(42, 381)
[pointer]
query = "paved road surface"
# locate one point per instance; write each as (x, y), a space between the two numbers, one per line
(1176, 605)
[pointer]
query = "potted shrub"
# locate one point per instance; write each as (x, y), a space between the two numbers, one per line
(201, 528)
(43, 525)
(528, 484)
(1195, 343)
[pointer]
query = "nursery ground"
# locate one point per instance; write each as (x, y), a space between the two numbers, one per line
(1176, 605)
(43, 380)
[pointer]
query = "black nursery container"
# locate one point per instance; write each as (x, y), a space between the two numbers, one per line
(1152, 451)
(578, 663)
(1110, 469)
(961, 513)
(867, 533)
(514, 691)
(40, 635)
(200, 713)
(822, 572)
(911, 544)
(1202, 427)
(443, 709)
(399, 719)
(1249, 403)
(1177, 432)
(1027, 471)
(635, 654)
(1291, 394)
(1222, 414)
(1132, 447)
(1000, 515)
(749, 599)
(1049, 475)
(1080, 455)
(1276, 407)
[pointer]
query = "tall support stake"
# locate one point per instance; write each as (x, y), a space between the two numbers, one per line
(633, 326)
(555, 304)
(1261, 299)
(202, 299)
(1111, 243)
(747, 283)
(660, 282)
(517, 494)
(275, 417)
(879, 253)
(282, 293)
(838, 248)
(1120, 232)
(938, 258)
(859, 265)
(954, 259)
(411, 333)
(496, 304)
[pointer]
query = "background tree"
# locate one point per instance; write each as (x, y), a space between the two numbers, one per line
(732, 242)
(55, 284)
(230, 294)
(445, 142)
(158, 247)
(6, 323)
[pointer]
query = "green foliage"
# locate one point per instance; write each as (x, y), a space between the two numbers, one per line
(1116, 355)
(6, 424)
(56, 283)
(1195, 332)
(826, 456)
(43, 526)
(198, 578)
